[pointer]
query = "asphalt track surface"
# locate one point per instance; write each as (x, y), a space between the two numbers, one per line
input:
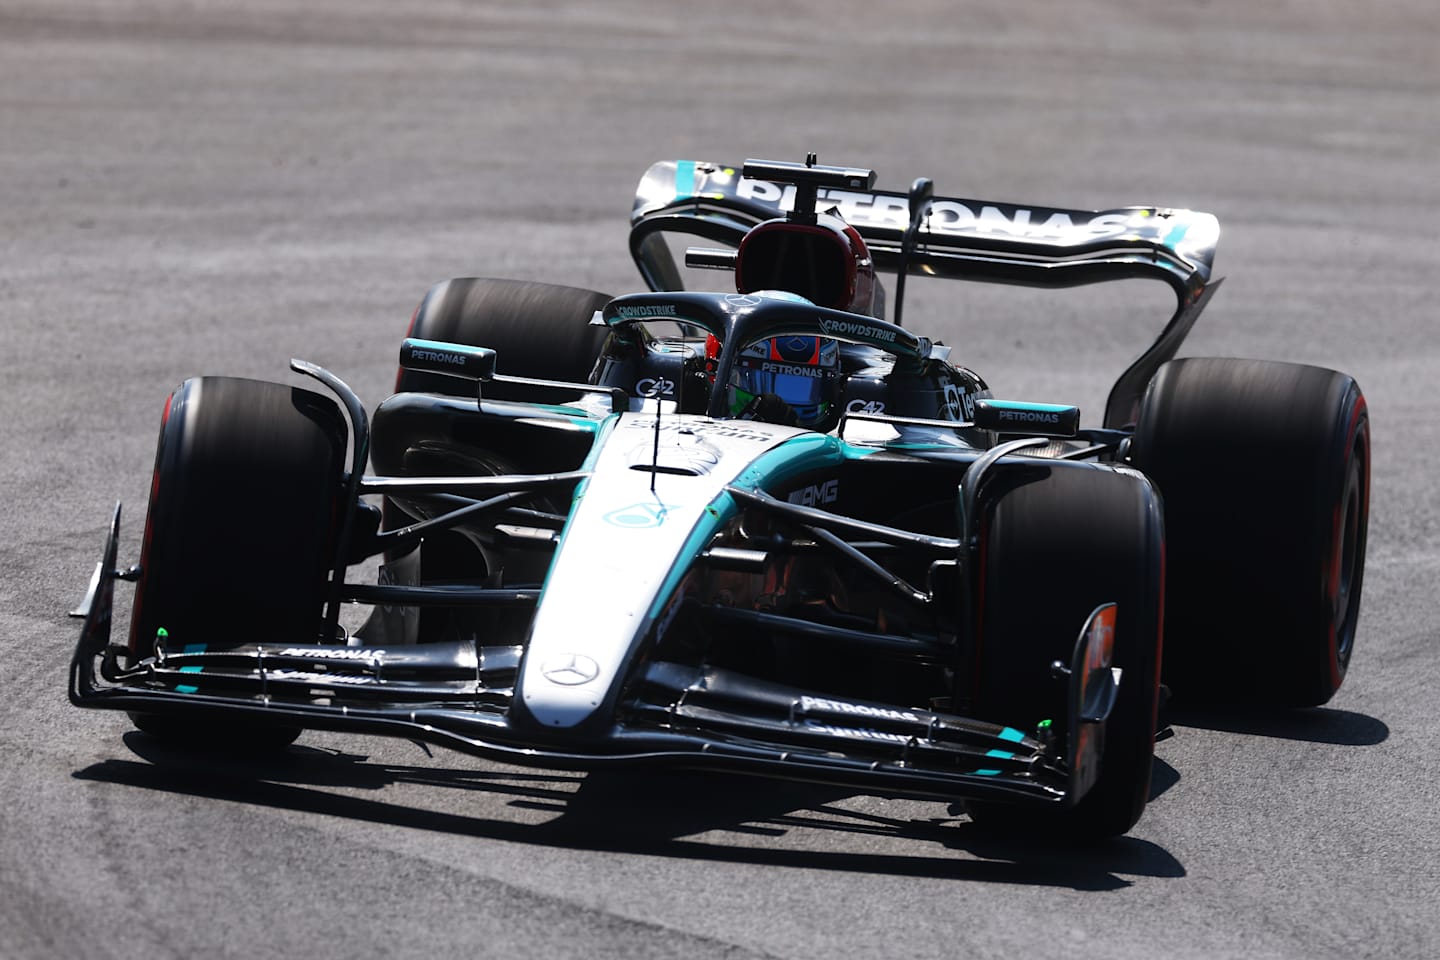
(215, 187)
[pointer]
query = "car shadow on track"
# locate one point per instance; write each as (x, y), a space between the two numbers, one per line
(695, 816)
(1311, 725)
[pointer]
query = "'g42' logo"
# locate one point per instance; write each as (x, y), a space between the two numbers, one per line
(655, 387)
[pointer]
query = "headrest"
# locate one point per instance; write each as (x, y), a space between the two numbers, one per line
(812, 260)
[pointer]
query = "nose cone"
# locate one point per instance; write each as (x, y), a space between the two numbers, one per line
(639, 521)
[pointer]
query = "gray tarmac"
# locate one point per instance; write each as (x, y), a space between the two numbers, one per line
(216, 186)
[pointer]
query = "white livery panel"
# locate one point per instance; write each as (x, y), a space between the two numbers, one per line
(623, 541)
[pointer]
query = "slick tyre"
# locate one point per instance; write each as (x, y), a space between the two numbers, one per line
(1050, 552)
(239, 537)
(537, 330)
(1265, 472)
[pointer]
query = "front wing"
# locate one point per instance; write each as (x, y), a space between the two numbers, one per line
(458, 695)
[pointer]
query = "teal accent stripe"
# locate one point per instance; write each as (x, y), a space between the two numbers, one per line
(684, 179)
(771, 468)
(1176, 234)
(1034, 407)
(1000, 754)
(185, 687)
(716, 515)
(987, 773)
(798, 454)
(853, 452)
(1012, 735)
(602, 433)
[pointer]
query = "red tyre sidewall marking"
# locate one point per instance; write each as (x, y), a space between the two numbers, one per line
(1337, 536)
(145, 543)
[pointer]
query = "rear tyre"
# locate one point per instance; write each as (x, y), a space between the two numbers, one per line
(537, 330)
(1265, 472)
(1050, 552)
(240, 533)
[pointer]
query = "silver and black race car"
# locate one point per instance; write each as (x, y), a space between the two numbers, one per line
(763, 530)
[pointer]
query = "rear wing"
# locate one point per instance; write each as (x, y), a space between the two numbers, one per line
(961, 239)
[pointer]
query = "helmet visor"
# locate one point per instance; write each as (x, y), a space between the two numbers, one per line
(801, 371)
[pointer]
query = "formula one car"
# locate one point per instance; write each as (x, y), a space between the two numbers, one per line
(763, 530)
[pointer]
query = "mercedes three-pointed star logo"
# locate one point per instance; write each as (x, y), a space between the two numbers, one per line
(570, 669)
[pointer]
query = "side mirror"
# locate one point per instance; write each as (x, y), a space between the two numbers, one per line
(449, 359)
(1027, 419)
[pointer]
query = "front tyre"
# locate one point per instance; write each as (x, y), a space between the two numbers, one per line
(1265, 472)
(1050, 551)
(240, 533)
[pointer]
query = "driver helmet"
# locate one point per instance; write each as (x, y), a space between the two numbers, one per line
(793, 380)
